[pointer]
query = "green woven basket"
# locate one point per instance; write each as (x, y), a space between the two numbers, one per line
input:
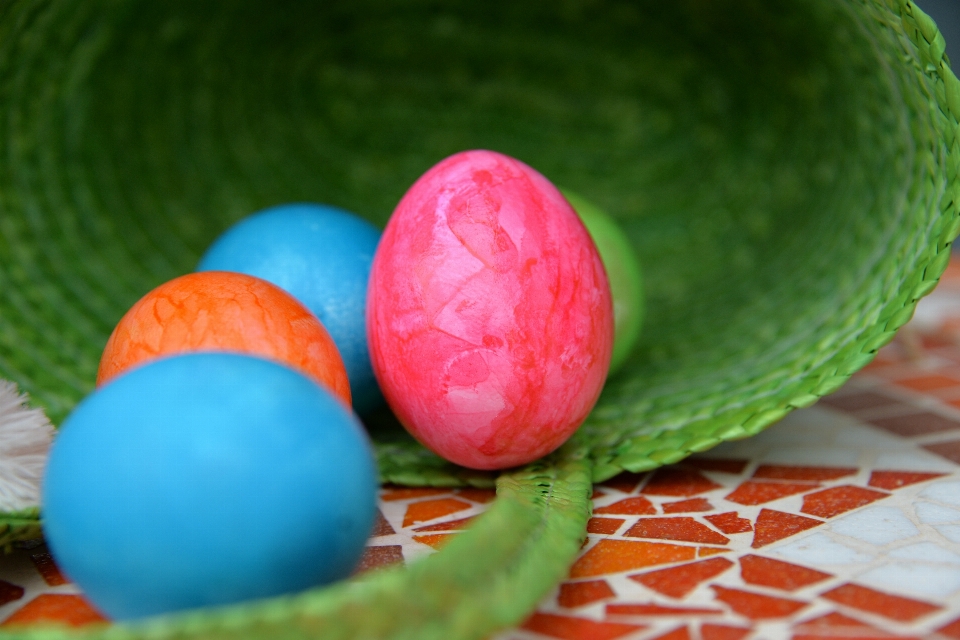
(787, 172)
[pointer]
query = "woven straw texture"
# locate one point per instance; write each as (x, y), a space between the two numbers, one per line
(788, 173)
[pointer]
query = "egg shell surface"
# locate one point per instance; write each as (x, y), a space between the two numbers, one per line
(321, 255)
(489, 317)
(224, 311)
(623, 271)
(206, 479)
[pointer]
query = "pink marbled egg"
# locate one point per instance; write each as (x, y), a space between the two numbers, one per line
(489, 314)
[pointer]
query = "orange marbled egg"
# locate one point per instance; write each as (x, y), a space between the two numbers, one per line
(224, 311)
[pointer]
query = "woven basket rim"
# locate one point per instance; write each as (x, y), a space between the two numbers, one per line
(639, 454)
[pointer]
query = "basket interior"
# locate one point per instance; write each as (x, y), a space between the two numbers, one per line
(778, 167)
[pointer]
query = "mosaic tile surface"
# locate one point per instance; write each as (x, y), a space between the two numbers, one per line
(842, 521)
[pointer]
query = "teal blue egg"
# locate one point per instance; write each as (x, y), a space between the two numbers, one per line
(322, 256)
(207, 479)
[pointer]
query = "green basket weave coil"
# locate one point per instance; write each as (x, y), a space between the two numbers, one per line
(788, 173)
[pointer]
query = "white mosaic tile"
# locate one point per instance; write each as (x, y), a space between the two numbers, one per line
(878, 525)
(914, 578)
(950, 531)
(821, 549)
(945, 492)
(929, 513)
(925, 552)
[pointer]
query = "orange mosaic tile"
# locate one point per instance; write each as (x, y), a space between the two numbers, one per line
(681, 529)
(730, 522)
(449, 525)
(880, 603)
(802, 473)
(378, 557)
(767, 572)
(9, 592)
(605, 526)
(390, 493)
(837, 625)
(432, 509)
(677, 481)
(895, 479)
(613, 556)
(706, 552)
(951, 630)
(625, 482)
(638, 506)
(722, 632)
(932, 382)
(691, 505)
(757, 606)
(597, 494)
(48, 569)
(854, 634)
(949, 450)
(680, 633)
(629, 609)
(951, 327)
(677, 582)
(61, 608)
(571, 628)
(752, 493)
(776, 525)
(721, 465)
(381, 527)
(915, 424)
(578, 594)
(435, 540)
(836, 500)
(932, 341)
(483, 496)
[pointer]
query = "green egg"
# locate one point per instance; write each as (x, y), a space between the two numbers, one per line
(623, 271)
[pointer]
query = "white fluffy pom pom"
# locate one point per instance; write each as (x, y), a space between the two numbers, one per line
(25, 437)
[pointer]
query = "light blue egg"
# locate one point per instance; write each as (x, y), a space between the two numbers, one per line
(322, 256)
(206, 479)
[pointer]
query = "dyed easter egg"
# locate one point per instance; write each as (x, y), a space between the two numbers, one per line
(623, 271)
(322, 256)
(489, 313)
(224, 311)
(206, 479)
